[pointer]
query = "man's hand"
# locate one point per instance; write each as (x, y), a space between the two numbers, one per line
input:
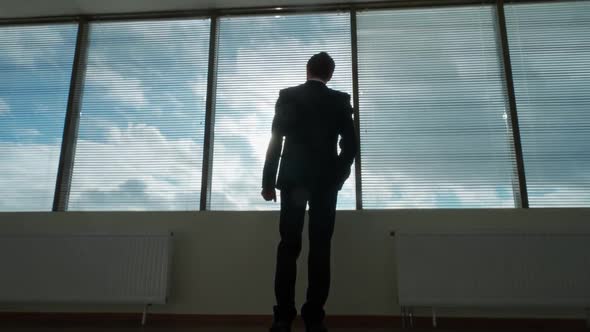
(269, 194)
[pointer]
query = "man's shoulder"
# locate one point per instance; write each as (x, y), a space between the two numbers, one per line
(342, 101)
(340, 94)
(291, 90)
(301, 88)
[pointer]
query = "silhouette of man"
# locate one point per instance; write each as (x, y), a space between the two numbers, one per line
(310, 117)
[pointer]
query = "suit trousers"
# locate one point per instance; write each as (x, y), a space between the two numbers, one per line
(322, 213)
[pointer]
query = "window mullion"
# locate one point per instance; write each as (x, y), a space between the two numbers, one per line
(68, 147)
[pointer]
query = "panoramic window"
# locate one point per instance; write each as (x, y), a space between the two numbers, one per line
(434, 118)
(140, 141)
(35, 72)
(550, 53)
(258, 56)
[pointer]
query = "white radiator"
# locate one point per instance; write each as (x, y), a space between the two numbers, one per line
(130, 269)
(479, 269)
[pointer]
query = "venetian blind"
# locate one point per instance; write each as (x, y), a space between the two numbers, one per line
(141, 132)
(35, 72)
(433, 110)
(550, 53)
(257, 57)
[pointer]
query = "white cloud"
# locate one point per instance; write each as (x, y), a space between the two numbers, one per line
(28, 175)
(31, 45)
(403, 189)
(4, 108)
(140, 72)
(199, 88)
(29, 132)
(119, 88)
(137, 168)
(560, 195)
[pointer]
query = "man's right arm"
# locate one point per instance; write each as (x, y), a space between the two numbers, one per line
(273, 152)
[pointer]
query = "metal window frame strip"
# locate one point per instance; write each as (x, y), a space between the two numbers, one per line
(514, 124)
(264, 10)
(356, 106)
(207, 171)
(72, 121)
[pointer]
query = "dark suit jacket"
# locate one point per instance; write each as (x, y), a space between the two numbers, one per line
(310, 117)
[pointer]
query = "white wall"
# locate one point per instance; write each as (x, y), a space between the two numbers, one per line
(224, 261)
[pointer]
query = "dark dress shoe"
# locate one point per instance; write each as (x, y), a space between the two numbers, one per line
(279, 326)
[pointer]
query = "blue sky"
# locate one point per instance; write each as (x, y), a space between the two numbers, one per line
(143, 112)
(141, 131)
(35, 70)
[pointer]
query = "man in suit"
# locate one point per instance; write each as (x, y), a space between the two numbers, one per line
(310, 117)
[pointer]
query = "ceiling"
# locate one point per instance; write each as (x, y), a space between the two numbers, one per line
(45, 8)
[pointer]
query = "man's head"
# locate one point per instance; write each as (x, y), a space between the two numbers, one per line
(320, 66)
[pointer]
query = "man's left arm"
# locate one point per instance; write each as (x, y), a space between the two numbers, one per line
(348, 144)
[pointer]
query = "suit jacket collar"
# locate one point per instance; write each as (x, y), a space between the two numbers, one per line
(315, 83)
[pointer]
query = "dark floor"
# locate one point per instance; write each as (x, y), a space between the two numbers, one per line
(424, 325)
(81, 328)
(225, 329)
(183, 329)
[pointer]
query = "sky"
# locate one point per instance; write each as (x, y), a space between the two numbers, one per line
(35, 70)
(434, 128)
(433, 107)
(141, 133)
(550, 46)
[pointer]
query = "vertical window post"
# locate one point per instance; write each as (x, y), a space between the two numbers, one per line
(514, 126)
(209, 116)
(68, 147)
(355, 93)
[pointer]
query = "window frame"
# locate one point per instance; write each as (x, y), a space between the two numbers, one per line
(72, 116)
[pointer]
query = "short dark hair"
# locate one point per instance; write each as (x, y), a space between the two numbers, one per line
(321, 65)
